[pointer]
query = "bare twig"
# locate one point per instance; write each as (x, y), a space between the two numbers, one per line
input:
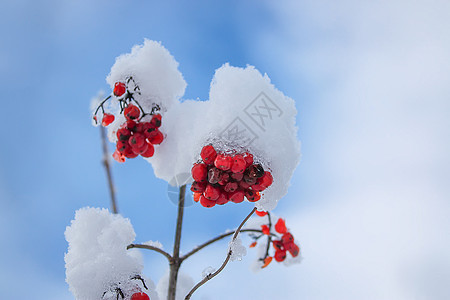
(210, 276)
(108, 170)
(218, 238)
(176, 262)
(148, 247)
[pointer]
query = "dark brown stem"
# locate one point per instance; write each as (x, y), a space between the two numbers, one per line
(108, 170)
(176, 261)
(269, 237)
(218, 238)
(141, 246)
(227, 259)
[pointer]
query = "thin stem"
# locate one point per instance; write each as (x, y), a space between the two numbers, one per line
(176, 262)
(141, 246)
(108, 170)
(269, 237)
(210, 276)
(218, 238)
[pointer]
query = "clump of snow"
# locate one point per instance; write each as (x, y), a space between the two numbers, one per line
(155, 72)
(237, 249)
(207, 271)
(241, 101)
(97, 261)
(155, 244)
(245, 112)
(184, 286)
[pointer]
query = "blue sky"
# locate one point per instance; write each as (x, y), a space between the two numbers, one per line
(370, 82)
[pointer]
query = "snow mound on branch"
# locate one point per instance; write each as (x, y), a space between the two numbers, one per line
(237, 249)
(156, 73)
(245, 113)
(154, 70)
(97, 260)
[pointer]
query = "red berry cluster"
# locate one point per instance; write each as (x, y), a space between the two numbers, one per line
(281, 244)
(285, 244)
(221, 178)
(140, 296)
(136, 137)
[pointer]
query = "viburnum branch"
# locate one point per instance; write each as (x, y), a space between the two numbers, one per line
(218, 238)
(101, 106)
(176, 262)
(269, 237)
(148, 247)
(227, 259)
(107, 166)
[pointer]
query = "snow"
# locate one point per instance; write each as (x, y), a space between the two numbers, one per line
(245, 112)
(207, 271)
(156, 73)
(237, 249)
(234, 94)
(184, 285)
(97, 260)
(155, 244)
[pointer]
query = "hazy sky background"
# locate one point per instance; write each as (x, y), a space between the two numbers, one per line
(369, 203)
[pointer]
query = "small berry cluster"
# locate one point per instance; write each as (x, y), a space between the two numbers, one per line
(221, 178)
(282, 244)
(135, 137)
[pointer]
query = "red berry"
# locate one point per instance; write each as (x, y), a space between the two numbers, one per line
(139, 128)
(147, 128)
(223, 162)
(137, 140)
(140, 150)
(208, 154)
(278, 245)
(249, 180)
(122, 145)
(129, 153)
(258, 188)
(255, 171)
(236, 197)
(107, 119)
(131, 125)
(140, 296)
(280, 226)
(155, 137)
(150, 151)
(123, 134)
(280, 255)
(119, 89)
(292, 248)
(287, 238)
(214, 175)
(132, 112)
(206, 202)
(198, 187)
(239, 164)
(223, 198)
(253, 245)
(261, 213)
(197, 196)
(118, 156)
(248, 159)
(244, 185)
(156, 120)
(211, 192)
(267, 261)
(237, 176)
(224, 178)
(252, 196)
(230, 187)
(199, 172)
(265, 229)
(266, 180)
